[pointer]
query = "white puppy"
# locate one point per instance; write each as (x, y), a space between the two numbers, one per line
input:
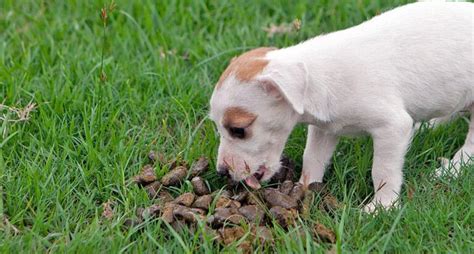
(411, 64)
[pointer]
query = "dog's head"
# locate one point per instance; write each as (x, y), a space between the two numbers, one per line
(255, 105)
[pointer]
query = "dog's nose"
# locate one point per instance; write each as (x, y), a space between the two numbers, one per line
(223, 171)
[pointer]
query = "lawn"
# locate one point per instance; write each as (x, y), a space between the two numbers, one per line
(87, 136)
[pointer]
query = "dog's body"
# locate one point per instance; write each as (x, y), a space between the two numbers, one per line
(411, 64)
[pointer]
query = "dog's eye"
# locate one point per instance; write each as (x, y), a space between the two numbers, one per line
(237, 132)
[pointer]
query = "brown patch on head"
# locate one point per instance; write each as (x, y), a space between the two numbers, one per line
(246, 66)
(238, 117)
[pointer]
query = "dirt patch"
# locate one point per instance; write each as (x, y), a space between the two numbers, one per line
(324, 234)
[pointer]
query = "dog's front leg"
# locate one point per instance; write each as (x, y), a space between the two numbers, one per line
(390, 144)
(319, 149)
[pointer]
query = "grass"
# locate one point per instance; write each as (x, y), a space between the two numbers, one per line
(86, 137)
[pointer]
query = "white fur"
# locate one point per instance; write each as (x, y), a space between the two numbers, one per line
(411, 64)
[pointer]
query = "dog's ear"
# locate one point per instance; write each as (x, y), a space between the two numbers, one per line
(286, 81)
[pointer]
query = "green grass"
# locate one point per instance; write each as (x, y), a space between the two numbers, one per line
(87, 138)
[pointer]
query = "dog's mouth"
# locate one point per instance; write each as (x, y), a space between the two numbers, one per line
(253, 181)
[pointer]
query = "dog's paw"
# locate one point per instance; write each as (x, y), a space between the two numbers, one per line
(375, 206)
(443, 169)
(370, 208)
(447, 168)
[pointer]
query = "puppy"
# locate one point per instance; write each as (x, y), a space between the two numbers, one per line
(408, 65)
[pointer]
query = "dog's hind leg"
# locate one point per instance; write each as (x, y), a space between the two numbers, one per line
(463, 157)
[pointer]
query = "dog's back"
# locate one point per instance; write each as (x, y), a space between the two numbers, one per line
(437, 57)
(423, 51)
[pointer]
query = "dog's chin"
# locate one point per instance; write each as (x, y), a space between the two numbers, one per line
(267, 176)
(270, 172)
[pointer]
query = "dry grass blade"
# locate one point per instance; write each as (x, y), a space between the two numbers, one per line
(107, 212)
(283, 28)
(8, 225)
(22, 114)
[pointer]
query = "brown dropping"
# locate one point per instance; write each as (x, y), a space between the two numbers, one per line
(286, 171)
(165, 197)
(323, 233)
(139, 212)
(185, 199)
(252, 212)
(254, 198)
(289, 165)
(199, 211)
(130, 223)
(333, 250)
(211, 233)
(199, 186)
(276, 198)
(175, 176)
(188, 214)
(301, 233)
(152, 189)
(330, 203)
(286, 187)
(279, 176)
(297, 192)
(240, 196)
(177, 162)
(225, 202)
(151, 211)
(231, 184)
(156, 157)
(199, 166)
(290, 174)
(284, 217)
(147, 175)
(316, 187)
(167, 213)
(211, 221)
(222, 193)
(225, 215)
(263, 234)
(308, 201)
(153, 156)
(245, 247)
(231, 235)
(203, 202)
(179, 225)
